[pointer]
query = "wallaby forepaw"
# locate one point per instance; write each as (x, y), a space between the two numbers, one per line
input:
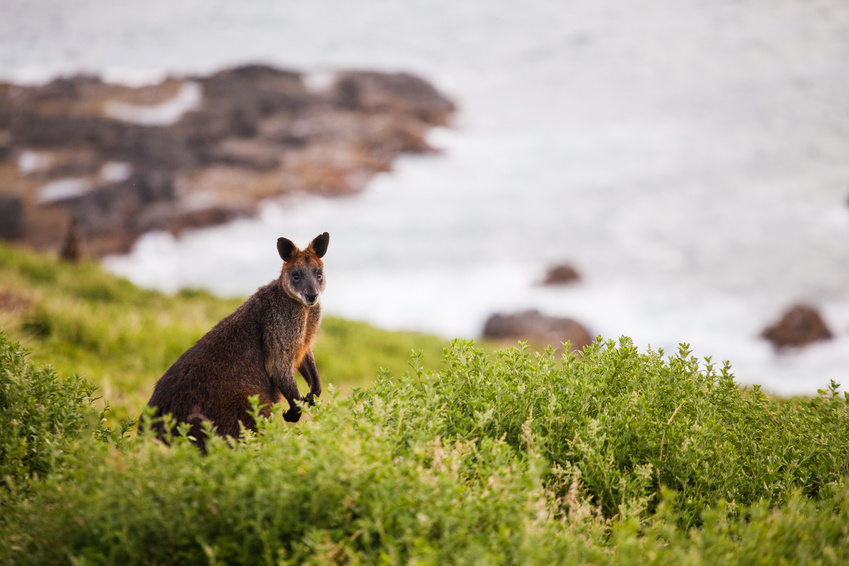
(293, 415)
(309, 399)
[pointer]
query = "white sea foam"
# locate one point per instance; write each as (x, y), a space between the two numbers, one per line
(32, 161)
(115, 171)
(165, 113)
(64, 189)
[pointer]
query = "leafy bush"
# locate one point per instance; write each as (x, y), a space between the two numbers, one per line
(517, 459)
(40, 414)
(800, 532)
(324, 491)
(626, 423)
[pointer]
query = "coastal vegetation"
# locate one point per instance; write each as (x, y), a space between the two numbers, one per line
(615, 455)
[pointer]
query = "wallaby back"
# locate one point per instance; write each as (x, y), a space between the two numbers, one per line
(253, 351)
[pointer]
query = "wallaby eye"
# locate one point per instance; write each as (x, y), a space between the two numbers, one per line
(296, 277)
(318, 275)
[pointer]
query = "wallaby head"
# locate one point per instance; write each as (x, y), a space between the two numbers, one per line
(303, 274)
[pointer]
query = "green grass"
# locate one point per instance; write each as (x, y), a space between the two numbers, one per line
(123, 338)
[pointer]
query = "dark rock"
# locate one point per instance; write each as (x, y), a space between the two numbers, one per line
(392, 92)
(561, 275)
(11, 217)
(8, 92)
(30, 128)
(150, 147)
(67, 88)
(5, 145)
(533, 326)
(78, 164)
(107, 208)
(249, 153)
(346, 93)
(203, 218)
(214, 122)
(253, 91)
(291, 140)
(156, 216)
(152, 186)
(158, 186)
(800, 325)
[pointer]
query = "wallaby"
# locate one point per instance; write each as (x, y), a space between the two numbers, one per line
(254, 351)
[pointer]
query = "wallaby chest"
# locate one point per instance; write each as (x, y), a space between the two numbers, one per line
(290, 336)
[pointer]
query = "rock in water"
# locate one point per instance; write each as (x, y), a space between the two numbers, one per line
(562, 274)
(533, 326)
(800, 325)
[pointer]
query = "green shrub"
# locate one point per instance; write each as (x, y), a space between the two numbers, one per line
(511, 459)
(626, 423)
(324, 491)
(800, 532)
(40, 414)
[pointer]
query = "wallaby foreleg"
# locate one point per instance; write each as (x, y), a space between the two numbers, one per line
(289, 388)
(309, 370)
(283, 378)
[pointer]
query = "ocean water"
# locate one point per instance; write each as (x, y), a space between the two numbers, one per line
(689, 158)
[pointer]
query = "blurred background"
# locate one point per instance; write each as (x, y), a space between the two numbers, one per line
(685, 163)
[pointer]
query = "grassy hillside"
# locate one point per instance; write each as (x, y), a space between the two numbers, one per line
(122, 338)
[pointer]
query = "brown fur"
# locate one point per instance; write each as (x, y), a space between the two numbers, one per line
(254, 351)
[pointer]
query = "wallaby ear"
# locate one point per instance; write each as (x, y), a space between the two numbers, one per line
(286, 248)
(319, 245)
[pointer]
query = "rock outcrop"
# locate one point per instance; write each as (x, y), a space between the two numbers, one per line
(195, 151)
(799, 326)
(533, 326)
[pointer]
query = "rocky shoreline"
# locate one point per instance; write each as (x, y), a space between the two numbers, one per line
(99, 164)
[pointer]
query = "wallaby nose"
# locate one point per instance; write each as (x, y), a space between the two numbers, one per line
(311, 297)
